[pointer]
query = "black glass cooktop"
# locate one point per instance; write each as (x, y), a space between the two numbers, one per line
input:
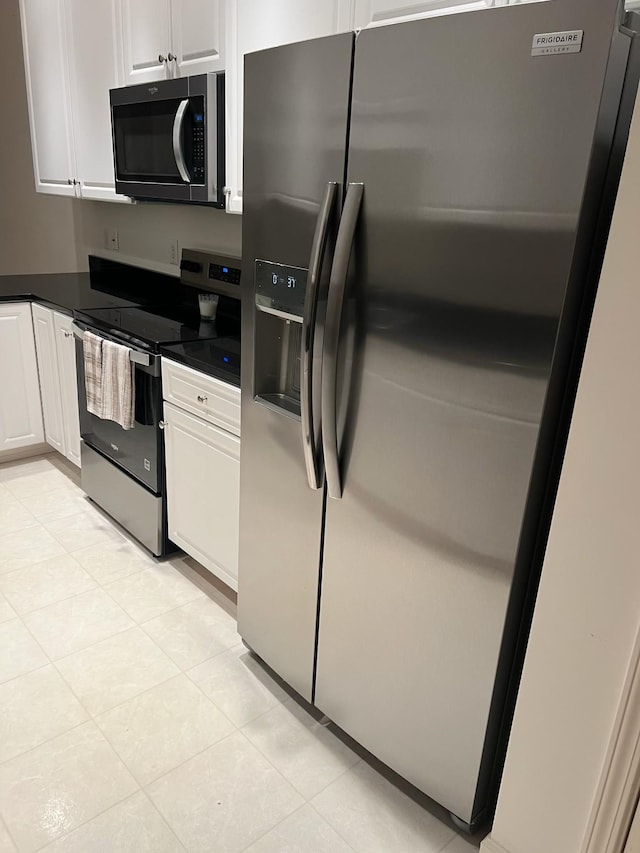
(219, 357)
(212, 347)
(147, 326)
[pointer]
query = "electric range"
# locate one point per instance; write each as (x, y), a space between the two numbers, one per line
(123, 470)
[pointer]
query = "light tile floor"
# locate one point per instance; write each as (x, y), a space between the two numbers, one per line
(133, 720)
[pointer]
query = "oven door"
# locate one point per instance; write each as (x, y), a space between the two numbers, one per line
(138, 451)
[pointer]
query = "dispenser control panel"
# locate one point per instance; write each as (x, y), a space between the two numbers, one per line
(281, 289)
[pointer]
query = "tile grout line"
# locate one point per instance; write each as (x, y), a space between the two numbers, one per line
(140, 624)
(307, 800)
(328, 822)
(23, 501)
(93, 718)
(217, 743)
(8, 831)
(85, 822)
(49, 603)
(182, 670)
(204, 749)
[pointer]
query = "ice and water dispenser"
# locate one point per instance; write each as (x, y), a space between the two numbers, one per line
(279, 300)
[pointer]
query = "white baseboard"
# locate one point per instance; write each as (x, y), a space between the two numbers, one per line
(491, 846)
(25, 453)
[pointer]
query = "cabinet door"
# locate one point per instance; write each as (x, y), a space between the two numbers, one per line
(376, 12)
(255, 25)
(20, 410)
(66, 355)
(94, 68)
(197, 36)
(203, 491)
(45, 60)
(145, 37)
(45, 336)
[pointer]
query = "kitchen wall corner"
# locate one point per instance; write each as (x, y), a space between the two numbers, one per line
(587, 613)
(38, 233)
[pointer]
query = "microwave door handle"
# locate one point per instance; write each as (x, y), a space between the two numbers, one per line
(178, 153)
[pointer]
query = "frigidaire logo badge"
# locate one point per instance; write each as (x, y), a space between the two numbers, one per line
(153, 90)
(545, 44)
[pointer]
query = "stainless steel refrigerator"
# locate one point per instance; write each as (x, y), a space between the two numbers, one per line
(425, 211)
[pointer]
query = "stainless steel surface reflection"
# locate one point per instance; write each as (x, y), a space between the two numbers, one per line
(483, 172)
(296, 112)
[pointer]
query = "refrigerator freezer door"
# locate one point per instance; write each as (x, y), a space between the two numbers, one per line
(474, 156)
(295, 131)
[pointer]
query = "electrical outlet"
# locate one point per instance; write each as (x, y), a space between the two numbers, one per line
(111, 239)
(174, 253)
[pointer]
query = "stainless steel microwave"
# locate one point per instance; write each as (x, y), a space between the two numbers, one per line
(168, 139)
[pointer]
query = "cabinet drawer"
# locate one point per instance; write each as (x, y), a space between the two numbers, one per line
(202, 395)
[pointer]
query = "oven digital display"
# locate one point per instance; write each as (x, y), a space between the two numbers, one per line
(281, 288)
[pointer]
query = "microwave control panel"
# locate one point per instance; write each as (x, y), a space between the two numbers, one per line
(280, 289)
(197, 123)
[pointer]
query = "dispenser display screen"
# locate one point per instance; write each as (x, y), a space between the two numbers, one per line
(281, 288)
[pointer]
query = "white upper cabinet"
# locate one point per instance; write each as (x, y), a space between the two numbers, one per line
(256, 25)
(20, 410)
(146, 35)
(71, 61)
(171, 38)
(45, 59)
(376, 12)
(197, 36)
(94, 63)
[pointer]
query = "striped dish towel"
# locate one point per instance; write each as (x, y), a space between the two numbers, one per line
(118, 385)
(92, 349)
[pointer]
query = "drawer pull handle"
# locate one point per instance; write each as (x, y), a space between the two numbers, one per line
(201, 398)
(67, 334)
(163, 424)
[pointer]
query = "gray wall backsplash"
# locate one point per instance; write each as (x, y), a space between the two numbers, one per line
(147, 232)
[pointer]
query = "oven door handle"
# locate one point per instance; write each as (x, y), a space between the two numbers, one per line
(135, 356)
(178, 153)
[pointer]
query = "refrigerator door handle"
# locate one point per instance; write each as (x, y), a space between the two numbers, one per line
(337, 287)
(311, 454)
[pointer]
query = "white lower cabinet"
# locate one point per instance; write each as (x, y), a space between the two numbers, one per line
(58, 389)
(45, 335)
(202, 456)
(66, 353)
(20, 410)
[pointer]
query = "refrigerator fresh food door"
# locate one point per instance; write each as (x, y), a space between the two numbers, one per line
(295, 132)
(474, 156)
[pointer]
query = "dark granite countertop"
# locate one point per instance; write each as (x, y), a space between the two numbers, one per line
(62, 291)
(113, 285)
(108, 284)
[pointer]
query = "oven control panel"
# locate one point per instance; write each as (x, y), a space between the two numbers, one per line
(222, 272)
(211, 271)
